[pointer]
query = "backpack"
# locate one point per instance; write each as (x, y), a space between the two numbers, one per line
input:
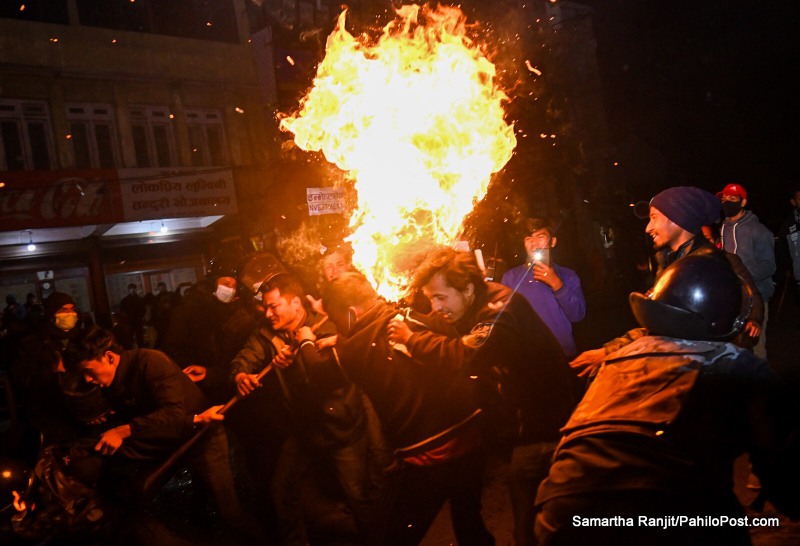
(61, 501)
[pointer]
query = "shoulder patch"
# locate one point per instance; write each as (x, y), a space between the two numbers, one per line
(478, 335)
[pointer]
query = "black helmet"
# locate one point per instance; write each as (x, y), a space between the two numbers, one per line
(697, 297)
(259, 269)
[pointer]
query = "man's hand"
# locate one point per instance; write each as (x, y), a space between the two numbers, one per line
(547, 275)
(112, 439)
(284, 358)
(316, 305)
(398, 331)
(246, 383)
(196, 373)
(752, 329)
(586, 362)
(304, 334)
(209, 415)
(325, 342)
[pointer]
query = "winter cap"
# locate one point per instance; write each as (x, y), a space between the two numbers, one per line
(733, 189)
(689, 207)
(56, 301)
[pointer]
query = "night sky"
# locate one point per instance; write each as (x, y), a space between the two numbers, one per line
(708, 84)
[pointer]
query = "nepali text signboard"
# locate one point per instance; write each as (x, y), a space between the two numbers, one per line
(149, 194)
(69, 198)
(325, 201)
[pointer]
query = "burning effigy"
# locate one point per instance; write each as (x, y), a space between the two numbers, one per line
(415, 118)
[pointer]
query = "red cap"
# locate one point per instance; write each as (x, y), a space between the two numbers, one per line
(733, 189)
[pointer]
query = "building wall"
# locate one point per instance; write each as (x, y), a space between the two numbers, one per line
(62, 65)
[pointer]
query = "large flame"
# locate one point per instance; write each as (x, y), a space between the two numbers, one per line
(416, 118)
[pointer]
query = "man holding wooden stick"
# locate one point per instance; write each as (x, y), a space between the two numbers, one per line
(325, 422)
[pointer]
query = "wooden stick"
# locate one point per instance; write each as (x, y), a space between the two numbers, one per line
(155, 478)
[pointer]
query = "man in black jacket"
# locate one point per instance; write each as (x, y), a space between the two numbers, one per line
(57, 403)
(157, 407)
(330, 422)
(429, 417)
(503, 343)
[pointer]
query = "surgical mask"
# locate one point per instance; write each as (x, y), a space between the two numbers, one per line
(731, 208)
(224, 293)
(66, 321)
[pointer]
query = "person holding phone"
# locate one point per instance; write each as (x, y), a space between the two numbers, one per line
(553, 291)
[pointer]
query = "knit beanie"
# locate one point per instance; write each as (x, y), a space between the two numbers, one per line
(689, 207)
(56, 301)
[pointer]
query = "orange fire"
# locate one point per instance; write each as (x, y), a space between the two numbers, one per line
(415, 118)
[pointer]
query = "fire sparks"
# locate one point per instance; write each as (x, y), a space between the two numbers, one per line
(532, 68)
(416, 119)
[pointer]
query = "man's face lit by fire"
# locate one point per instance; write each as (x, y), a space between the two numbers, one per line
(446, 300)
(664, 231)
(285, 313)
(333, 265)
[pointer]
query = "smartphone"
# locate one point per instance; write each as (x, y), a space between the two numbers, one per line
(541, 255)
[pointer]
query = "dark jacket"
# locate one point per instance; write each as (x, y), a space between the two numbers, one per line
(323, 416)
(789, 243)
(206, 332)
(504, 343)
(151, 394)
(417, 406)
(134, 308)
(56, 403)
(673, 415)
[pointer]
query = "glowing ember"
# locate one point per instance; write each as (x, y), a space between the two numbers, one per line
(416, 119)
(19, 504)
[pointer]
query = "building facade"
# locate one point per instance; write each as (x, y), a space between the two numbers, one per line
(129, 130)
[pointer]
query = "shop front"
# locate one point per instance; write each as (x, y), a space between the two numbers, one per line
(94, 233)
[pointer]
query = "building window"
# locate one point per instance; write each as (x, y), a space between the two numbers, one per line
(93, 135)
(25, 137)
(206, 138)
(153, 141)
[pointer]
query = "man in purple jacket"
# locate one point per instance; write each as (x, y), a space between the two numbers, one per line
(553, 291)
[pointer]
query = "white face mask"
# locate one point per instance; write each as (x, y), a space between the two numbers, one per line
(66, 321)
(224, 293)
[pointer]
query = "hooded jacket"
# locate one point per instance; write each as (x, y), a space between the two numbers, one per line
(754, 243)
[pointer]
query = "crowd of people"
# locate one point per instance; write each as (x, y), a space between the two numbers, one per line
(388, 410)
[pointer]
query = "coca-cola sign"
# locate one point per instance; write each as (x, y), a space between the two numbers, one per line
(46, 199)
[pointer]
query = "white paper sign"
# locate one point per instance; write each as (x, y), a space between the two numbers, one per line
(325, 201)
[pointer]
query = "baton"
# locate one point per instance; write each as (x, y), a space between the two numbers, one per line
(153, 482)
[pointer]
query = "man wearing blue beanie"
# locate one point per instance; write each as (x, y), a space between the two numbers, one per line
(677, 216)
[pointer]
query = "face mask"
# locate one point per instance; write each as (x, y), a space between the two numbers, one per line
(731, 208)
(66, 321)
(224, 294)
